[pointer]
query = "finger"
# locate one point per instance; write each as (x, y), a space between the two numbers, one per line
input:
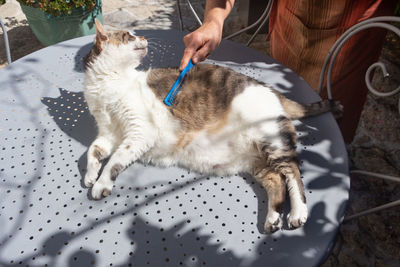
(187, 55)
(193, 42)
(202, 54)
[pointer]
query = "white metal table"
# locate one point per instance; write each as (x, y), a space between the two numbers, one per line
(154, 217)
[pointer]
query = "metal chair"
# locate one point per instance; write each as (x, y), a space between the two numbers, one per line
(6, 44)
(260, 22)
(380, 22)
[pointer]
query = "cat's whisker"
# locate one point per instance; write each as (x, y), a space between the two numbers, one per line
(154, 38)
(146, 62)
(156, 44)
(152, 45)
(153, 41)
(154, 50)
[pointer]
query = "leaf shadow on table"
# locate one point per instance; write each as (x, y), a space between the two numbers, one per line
(331, 165)
(176, 245)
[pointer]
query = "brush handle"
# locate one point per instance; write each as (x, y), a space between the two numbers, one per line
(169, 99)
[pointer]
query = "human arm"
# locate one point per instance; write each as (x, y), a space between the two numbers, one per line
(200, 43)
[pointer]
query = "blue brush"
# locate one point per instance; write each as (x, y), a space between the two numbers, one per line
(169, 99)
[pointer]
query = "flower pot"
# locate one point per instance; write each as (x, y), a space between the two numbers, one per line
(50, 29)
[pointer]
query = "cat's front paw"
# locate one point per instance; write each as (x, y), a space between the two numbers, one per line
(89, 180)
(273, 223)
(101, 189)
(297, 216)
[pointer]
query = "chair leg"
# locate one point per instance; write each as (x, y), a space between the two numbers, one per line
(178, 5)
(263, 19)
(379, 208)
(6, 44)
(379, 175)
(194, 13)
(180, 14)
(373, 210)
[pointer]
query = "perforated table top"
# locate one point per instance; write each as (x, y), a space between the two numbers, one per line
(154, 217)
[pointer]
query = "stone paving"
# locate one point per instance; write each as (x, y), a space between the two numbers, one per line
(372, 240)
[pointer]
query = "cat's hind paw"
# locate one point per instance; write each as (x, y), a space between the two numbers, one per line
(100, 190)
(297, 216)
(273, 223)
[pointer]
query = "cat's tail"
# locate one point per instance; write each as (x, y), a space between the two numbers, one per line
(295, 110)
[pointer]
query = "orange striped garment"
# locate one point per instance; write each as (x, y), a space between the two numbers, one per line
(302, 33)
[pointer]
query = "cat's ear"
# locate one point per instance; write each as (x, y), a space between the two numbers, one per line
(101, 35)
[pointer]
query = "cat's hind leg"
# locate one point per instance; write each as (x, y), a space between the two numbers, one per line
(275, 179)
(285, 160)
(275, 186)
(100, 149)
(298, 209)
(281, 158)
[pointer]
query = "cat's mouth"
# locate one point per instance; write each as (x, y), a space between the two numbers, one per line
(139, 48)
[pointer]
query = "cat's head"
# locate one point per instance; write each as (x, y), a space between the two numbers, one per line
(119, 43)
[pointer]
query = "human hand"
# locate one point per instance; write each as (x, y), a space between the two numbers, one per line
(200, 43)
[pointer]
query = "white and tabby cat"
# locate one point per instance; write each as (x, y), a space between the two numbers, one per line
(222, 123)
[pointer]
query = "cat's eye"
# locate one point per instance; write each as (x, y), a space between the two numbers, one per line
(127, 36)
(131, 37)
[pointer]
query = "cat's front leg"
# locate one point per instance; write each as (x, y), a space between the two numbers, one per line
(126, 153)
(100, 149)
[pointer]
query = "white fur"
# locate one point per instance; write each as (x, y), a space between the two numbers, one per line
(298, 212)
(126, 108)
(134, 124)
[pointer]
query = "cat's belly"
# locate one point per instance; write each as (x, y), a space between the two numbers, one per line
(208, 155)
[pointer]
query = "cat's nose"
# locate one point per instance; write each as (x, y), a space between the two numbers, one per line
(142, 40)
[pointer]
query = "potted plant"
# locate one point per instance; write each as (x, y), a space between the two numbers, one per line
(53, 21)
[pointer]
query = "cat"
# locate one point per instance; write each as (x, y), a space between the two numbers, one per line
(221, 123)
